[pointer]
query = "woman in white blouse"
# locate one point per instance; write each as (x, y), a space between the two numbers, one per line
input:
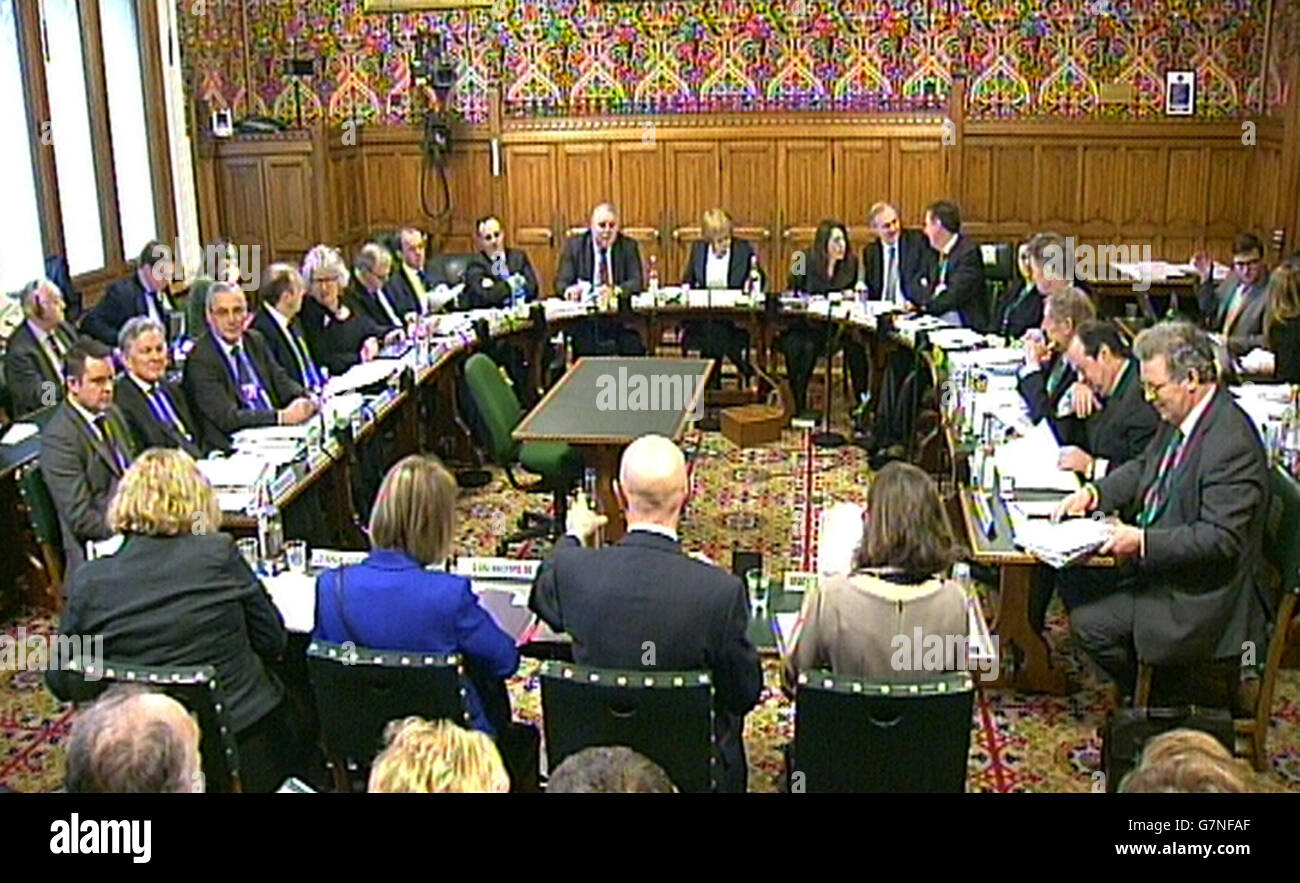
(719, 261)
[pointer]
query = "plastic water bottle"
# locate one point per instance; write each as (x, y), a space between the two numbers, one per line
(652, 277)
(589, 488)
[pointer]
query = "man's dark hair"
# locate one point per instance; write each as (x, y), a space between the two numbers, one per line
(1095, 332)
(74, 363)
(947, 214)
(108, 755)
(1247, 243)
(279, 283)
(609, 770)
(153, 252)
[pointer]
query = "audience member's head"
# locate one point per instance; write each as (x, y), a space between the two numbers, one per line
(1024, 262)
(907, 526)
(604, 224)
(415, 510)
(88, 370)
(227, 309)
(1047, 263)
(411, 243)
(830, 243)
(326, 275)
(163, 494)
(942, 223)
(1063, 312)
(133, 740)
(1099, 353)
(43, 303)
(1248, 258)
(143, 345)
(652, 482)
(883, 219)
(1178, 368)
(490, 235)
(1171, 743)
(436, 757)
(372, 266)
(283, 289)
(221, 261)
(1187, 761)
(716, 226)
(1284, 293)
(154, 265)
(608, 770)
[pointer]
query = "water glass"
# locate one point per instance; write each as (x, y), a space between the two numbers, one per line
(295, 552)
(248, 550)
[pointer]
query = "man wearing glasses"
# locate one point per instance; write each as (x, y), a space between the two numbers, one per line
(1190, 543)
(1235, 308)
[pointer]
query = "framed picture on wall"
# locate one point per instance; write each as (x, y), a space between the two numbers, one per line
(1180, 93)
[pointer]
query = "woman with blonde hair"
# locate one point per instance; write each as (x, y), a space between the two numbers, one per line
(399, 599)
(853, 625)
(436, 757)
(178, 593)
(719, 260)
(1282, 321)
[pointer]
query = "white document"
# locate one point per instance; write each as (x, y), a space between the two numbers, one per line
(1031, 462)
(839, 538)
(363, 375)
(19, 432)
(236, 472)
(1059, 544)
(294, 595)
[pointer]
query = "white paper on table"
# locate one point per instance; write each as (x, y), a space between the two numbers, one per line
(1031, 461)
(839, 538)
(1061, 543)
(19, 432)
(236, 471)
(104, 548)
(234, 501)
(362, 375)
(294, 595)
(1259, 361)
(956, 338)
(1033, 508)
(326, 558)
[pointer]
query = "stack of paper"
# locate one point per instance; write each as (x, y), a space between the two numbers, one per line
(362, 375)
(1060, 543)
(1031, 462)
(19, 432)
(956, 338)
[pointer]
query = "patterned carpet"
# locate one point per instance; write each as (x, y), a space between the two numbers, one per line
(765, 499)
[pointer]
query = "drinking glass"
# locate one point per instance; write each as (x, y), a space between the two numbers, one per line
(295, 552)
(248, 549)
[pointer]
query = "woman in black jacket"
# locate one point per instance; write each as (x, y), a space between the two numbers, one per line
(178, 593)
(828, 266)
(339, 334)
(1282, 321)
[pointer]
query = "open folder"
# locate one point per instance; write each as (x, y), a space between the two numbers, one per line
(1031, 462)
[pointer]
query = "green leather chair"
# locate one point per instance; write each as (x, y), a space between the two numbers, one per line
(558, 464)
(44, 520)
(196, 302)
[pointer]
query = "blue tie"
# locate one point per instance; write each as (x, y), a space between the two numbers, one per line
(165, 412)
(250, 386)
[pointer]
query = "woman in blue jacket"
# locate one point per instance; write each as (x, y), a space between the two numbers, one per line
(392, 601)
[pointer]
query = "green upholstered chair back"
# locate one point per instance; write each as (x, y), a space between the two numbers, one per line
(1282, 534)
(40, 506)
(497, 405)
(196, 303)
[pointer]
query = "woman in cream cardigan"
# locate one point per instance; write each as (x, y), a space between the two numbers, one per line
(863, 624)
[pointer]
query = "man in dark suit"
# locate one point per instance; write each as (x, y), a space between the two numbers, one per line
(957, 290)
(898, 264)
(367, 293)
(1047, 381)
(495, 272)
(642, 603)
(720, 260)
(277, 321)
(1236, 307)
(1195, 503)
(409, 286)
(144, 293)
(85, 448)
(155, 411)
(232, 381)
(1123, 425)
(34, 353)
(593, 266)
(1020, 306)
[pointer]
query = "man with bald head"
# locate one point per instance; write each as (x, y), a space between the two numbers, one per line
(595, 263)
(643, 604)
(134, 740)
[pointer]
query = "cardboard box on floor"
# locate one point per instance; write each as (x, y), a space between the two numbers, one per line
(748, 425)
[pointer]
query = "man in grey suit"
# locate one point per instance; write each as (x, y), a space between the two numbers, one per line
(85, 449)
(1235, 308)
(35, 351)
(1194, 505)
(642, 596)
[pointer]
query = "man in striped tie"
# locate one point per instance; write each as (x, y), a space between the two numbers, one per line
(1190, 543)
(1235, 308)
(231, 379)
(155, 411)
(277, 321)
(34, 353)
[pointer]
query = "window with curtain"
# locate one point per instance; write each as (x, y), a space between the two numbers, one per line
(74, 161)
(21, 258)
(125, 86)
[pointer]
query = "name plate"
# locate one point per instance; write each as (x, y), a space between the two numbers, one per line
(282, 482)
(800, 580)
(497, 568)
(323, 559)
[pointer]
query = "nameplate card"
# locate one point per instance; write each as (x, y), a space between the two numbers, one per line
(324, 559)
(800, 580)
(283, 481)
(497, 568)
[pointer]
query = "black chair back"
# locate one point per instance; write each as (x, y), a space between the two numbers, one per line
(448, 268)
(358, 691)
(196, 688)
(858, 736)
(666, 716)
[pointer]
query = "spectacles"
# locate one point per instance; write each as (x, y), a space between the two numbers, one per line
(1247, 263)
(1151, 391)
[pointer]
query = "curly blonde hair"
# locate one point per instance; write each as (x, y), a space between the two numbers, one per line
(436, 757)
(164, 494)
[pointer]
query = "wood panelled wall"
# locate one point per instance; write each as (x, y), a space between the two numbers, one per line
(1173, 185)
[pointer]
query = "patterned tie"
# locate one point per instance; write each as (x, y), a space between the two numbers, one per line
(165, 412)
(311, 375)
(943, 271)
(1154, 498)
(104, 428)
(250, 385)
(600, 266)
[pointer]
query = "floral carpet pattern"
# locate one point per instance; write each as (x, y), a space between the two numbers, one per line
(765, 499)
